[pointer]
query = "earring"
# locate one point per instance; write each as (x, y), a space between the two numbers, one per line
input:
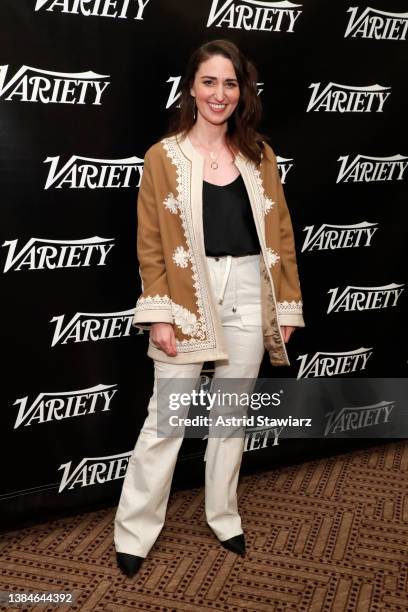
(194, 109)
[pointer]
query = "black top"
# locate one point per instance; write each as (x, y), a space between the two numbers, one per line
(229, 227)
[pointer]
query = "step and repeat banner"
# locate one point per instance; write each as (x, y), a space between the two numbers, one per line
(86, 87)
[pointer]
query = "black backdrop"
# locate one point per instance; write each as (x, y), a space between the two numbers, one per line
(85, 88)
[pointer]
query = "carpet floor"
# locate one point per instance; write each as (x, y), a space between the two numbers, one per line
(329, 535)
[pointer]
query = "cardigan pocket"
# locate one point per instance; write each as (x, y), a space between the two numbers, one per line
(249, 304)
(253, 317)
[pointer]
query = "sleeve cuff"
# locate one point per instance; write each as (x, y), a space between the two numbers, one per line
(296, 320)
(145, 318)
(152, 309)
(291, 313)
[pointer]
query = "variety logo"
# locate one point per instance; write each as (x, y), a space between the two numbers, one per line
(284, 165)
(43, 254)
(46, 86)
(94, 470)
(255, 437)
(254, 15)
(365, 169)
(331, 364)
(376, 24)
(352, 419)
(85, 327)
(57, 406)
(91, 173)
(175, 93)
(99, 8)
(331, 237)
(364, 298)
(259, 437)
(336, 98)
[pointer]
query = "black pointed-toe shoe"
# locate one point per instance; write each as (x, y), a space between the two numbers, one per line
(235, 544)
(129, 564)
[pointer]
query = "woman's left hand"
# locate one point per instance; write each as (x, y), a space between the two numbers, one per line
(287, 331)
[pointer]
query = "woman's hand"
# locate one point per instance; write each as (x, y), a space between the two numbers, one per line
(162, 336)
(287, 331)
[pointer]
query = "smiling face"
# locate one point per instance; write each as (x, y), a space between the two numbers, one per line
(215, 89)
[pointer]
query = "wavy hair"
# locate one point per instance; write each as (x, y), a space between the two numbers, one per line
(242, 135)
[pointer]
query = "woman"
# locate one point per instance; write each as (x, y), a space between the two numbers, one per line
(219, 282)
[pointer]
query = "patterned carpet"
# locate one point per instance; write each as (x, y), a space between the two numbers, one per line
(325, 536)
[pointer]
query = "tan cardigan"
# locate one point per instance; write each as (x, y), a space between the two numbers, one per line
(172, 262)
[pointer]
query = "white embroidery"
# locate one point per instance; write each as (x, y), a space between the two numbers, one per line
(254, 176)
(268, 203)
(162, 302)
(187, 321)
(273, 257)
(171, 203)
(205, 335)
(292, 307)
(258, 190)
(183, 318)
(181, 257)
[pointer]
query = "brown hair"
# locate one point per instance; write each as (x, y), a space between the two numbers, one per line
(242, 135)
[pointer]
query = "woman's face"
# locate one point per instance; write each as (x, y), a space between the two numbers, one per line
(216, 89)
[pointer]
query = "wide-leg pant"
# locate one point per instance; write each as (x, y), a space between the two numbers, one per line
(142, 507)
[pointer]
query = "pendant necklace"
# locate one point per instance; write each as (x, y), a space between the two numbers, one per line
(214, 163)
(213, 156)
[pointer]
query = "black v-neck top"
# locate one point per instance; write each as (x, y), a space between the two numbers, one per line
(229, 227)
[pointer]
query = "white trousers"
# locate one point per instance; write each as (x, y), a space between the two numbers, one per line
(142, 506)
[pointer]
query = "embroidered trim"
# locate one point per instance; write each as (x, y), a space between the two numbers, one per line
(187, 321)
(259, 193)
(183, 318)
(273, 256)
(162, 302)
(260, 200)
(268, 204)
(205, 336)
(171, 203)
(181, 257)
(292, 307)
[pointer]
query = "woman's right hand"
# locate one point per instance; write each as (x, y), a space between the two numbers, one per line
(163, 337)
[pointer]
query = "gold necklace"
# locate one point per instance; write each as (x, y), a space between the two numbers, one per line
(213, 156)
(214, 163)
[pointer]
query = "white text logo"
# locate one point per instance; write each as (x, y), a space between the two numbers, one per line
(99, 8)
(94, 470)
(351, 419)
(85, 326)
(376, 24)
(284, 165)
(331, 364)
(46, 86)
(43, 254)
(57, 406)
(336, 98)
(365, 169)
(330, 237)
(90, 173)
(364, 298)
(254, 15)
